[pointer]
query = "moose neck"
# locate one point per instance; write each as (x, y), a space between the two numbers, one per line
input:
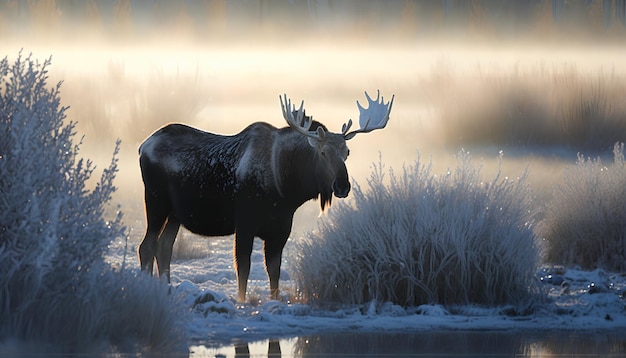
(298, 180)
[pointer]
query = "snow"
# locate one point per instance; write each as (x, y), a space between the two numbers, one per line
(568, 299)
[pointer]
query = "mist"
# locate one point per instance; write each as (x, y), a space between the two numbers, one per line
(498, 79)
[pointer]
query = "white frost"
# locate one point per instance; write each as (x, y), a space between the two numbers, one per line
(244, 167)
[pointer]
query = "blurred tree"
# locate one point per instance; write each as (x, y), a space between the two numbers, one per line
(620, 11)
(607, 12)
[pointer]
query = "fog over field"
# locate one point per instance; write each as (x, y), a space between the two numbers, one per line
(127, 92)
(534, 83)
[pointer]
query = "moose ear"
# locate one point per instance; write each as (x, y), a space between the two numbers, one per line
(321, 135)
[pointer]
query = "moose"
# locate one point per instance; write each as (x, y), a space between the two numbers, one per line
(248, 184)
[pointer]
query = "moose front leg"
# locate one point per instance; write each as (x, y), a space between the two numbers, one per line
(273, 259)
(242, 251)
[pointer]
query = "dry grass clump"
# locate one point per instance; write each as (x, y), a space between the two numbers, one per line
(538, 107)
(422, 238)
(585, 223)
(121, 105)
(189, 247)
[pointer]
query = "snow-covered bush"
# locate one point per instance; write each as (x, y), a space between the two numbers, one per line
(423, 238)
(55, 287)
(585, 223)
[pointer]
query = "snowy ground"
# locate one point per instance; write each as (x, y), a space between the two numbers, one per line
(571, 300)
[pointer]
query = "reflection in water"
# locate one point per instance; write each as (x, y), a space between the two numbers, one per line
(466, 344)
(242, 350)
(268, 348)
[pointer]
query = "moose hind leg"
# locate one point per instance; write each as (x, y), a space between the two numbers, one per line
(156, 215)
(165, 246)
(147, 249)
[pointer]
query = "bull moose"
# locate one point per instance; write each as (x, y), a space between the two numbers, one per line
(248, 184)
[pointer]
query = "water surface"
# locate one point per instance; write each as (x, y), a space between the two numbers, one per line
(440, 344)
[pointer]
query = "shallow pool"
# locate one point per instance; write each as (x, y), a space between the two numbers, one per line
(441, 344)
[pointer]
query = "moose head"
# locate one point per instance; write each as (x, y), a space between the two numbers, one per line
(332, 147)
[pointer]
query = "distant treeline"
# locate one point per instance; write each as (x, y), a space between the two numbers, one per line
(240, 17)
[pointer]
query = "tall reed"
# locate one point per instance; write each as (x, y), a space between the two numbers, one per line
(537, 106)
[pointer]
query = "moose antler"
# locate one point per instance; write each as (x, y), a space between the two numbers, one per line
(374, 117)
(301, 123)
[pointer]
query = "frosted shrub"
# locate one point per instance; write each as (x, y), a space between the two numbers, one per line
(55, 287)
(585, 223)
(423, 238)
